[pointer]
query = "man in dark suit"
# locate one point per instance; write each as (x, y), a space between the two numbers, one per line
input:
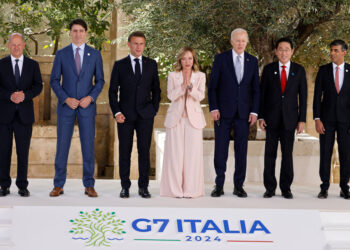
(20, 82)
(332, 115)
(234, 102)
(283, 99)
(77, 64)
(134, 96)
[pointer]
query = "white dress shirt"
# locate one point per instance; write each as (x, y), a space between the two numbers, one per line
(81, 52)
(287, 68)
(133, 63)
(20, 64)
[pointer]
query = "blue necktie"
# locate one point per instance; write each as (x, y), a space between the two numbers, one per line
(17, 75)
(238, 69)
(137, 70)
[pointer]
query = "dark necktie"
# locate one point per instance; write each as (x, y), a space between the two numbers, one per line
(137, 70)
(283, 78)
(17, 75)
(77, 61)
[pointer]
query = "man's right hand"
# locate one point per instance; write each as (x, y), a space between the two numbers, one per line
(262, 124)
(72, 102)
(120, 118)
(319, 127)
(17, 97)
(215, 115)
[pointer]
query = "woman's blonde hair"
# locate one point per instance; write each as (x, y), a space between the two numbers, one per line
(180, 55)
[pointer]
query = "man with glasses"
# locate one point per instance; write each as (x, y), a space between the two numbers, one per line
(282, 111)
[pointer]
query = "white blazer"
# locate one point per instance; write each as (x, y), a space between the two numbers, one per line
(177, 97)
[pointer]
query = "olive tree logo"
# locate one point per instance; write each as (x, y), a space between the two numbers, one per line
(98, 228)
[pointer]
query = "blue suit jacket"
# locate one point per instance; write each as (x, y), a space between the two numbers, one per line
(224, 92)
(75, 86)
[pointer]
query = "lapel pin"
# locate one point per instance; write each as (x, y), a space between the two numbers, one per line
(275, 72)
(88, 54)
(292, 73)
(346, 70)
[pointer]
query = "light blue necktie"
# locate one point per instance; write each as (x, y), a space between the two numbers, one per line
(238, 69)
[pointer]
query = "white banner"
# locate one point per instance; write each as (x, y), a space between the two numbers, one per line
(75, 228)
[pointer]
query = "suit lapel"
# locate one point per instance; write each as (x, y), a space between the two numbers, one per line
(10, 69)
(229, 59)
(276, 76)
(70, 56)
(24, 70)
(144, 67)
(346, 76)
(291, 75)
(129, 67)
(331, 75)
(86, 59)
(246, 66)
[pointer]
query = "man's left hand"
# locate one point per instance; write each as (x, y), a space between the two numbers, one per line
(252, 119)
(300, 127)
(85, 102)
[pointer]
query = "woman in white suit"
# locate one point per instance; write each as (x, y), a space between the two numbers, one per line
(182, 174)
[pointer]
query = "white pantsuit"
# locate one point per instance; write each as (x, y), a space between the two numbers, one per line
(182, 174)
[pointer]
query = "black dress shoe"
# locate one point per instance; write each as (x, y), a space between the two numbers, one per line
(287, 195)
(23, 192)
(269, 194)
(4, 191)
(345, 194)
(323, 194)
(239, 191)
(143, 192)
(217, 192)
(124, 193)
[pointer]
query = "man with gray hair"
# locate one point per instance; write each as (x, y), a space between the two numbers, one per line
(234, 103)
(20, 82)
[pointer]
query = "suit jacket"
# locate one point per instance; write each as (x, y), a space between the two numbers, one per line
(177, 97)
(224, 92)
(133, 98)
(292, 103)
(328, 104)
(74, 85)
(30, 84)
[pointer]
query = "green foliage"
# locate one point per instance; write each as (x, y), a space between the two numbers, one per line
(34, 17)
(97, 224)
(206, 26)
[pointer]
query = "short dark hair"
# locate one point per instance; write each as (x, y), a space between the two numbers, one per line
(78, 21)
(343, 45)
(137, 34)
(285, 40)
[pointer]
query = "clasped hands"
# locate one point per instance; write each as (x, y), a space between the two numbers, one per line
(83, 102)
(17, 97)
(187, 81)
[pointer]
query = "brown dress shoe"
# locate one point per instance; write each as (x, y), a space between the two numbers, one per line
(56, 191)
(90, 191)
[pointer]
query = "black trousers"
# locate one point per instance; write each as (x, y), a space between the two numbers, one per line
(326, 151)
(286, 137)
(144, 128)
(23, 134)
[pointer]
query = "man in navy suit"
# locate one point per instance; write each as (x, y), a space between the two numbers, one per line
(234, 102)
(332, 116)
(77, 64)
(134, 96)
(20, 82)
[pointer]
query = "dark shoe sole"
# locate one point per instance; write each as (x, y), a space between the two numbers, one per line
(217, 195)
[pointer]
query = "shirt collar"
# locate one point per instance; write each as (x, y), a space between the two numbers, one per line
(81, 47)
(14, 58)
(235, 54)
(287, 64)
(341, 66)
(133, 57)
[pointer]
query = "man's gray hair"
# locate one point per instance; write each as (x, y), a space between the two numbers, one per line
(239, 30)
(15, 34)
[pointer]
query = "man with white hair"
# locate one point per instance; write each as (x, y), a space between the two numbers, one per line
(234, 103)
(20, 82)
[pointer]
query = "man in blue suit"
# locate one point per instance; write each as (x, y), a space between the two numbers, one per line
(77, 64)
(234, 102)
